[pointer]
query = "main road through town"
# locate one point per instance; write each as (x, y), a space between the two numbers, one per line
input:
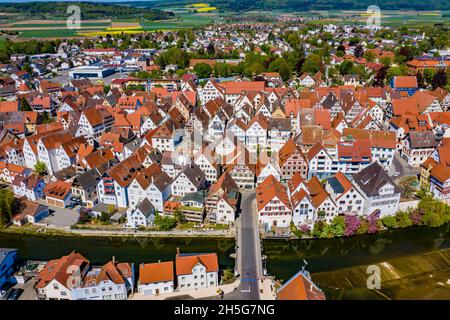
(248, 251)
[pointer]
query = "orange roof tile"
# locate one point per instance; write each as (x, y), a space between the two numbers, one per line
(156, 272)
(184, 263)
(269, 189)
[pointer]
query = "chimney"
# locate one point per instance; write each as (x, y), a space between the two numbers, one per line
(159, 260)
(178, 250)
(114, 260)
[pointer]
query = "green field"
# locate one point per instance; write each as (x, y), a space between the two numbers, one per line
(56, 33)
(186, 19)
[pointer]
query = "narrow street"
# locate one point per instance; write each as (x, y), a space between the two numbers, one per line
(249, 262)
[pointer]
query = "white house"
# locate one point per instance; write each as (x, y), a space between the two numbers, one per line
(143, 215)
(113, 281)
(196, 271)
(303, 210)
(191, 179)
(378, 189)
(56, 280)
(156, 278)
(273, 205)
(347, 197)
(154, 186)
(31, 187)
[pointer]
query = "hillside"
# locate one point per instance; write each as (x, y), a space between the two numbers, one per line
(300, 5)
(89, 10)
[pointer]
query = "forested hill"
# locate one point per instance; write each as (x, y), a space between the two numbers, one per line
(301, 5)
(89, 10)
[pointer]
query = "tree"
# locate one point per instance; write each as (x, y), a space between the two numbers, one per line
(369, 56)
(210, 49)
(352, 223)
(311, 64)
(345, 67)
(7, 206)
(435, 212)
(403, 220)
(353, 41)
(317, 230)
(359, 51)
(380, 77)
(46, 118)
(372, 221)
(164, 223)
(203, 70)
(104, 217)
(338, 226)
(439, 79)
(408, 186)
(179, 216)
(228, 276)
(40, 168)
(428, 75)
(327, 231)
(24, 105)
(281, 66)
(363, 227)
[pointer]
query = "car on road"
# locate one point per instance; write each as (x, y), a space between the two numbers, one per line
(396, 174)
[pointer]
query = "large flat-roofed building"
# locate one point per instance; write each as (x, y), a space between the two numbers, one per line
(95, 71)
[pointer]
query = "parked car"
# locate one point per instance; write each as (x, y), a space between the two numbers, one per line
(14, 294)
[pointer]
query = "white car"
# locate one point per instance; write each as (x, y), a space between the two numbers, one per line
(396, 174)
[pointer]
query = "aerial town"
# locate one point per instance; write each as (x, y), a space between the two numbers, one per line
(245, 130)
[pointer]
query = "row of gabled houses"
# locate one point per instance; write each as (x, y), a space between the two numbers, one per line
(122, 147)
(304, 202)
(73, 277)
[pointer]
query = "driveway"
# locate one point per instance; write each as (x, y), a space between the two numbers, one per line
(401, 166)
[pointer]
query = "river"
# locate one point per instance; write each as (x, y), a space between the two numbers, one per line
(100, 250)
(284, 257)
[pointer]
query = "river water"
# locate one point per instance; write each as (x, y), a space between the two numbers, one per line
(284, 258)
(100, 250)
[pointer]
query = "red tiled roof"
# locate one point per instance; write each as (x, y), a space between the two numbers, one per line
(184, 263)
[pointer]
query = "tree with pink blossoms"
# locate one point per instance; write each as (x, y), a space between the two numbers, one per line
(304, 228)
(352, 223)
(372, 220)
(416, 217)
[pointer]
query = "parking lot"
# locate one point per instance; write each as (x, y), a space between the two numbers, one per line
(62, 217)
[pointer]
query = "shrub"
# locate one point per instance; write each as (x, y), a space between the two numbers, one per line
(317, 230)
(363, 227)
(165, 223)
(338, 226)
(403, 219)
(389, 222)
(327, 231)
